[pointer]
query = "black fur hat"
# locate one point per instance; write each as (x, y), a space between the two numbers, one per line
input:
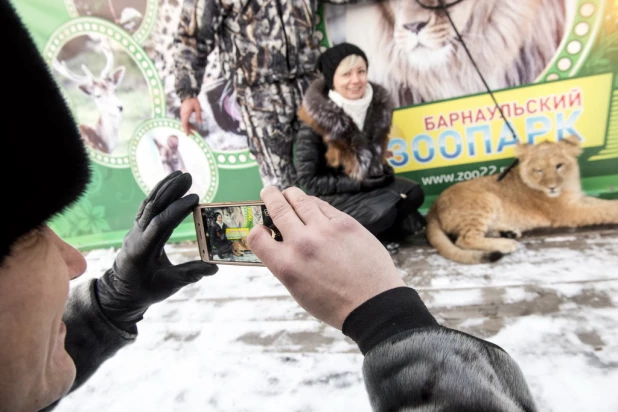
(330, 59)
(44, 166)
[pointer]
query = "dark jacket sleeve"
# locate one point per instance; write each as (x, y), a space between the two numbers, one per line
(91, 339)
(414, 364)
(314, 176)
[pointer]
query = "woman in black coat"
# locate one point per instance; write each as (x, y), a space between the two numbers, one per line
(340, 150)
(219, 237)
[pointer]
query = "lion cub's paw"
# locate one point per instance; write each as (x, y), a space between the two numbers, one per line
(506, 245)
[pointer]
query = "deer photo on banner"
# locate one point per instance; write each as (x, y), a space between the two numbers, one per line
(104, 84)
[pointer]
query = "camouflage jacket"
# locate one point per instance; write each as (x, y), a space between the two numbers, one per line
(260, 41)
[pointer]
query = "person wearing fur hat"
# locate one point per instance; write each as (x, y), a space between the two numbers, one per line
(49, 344)
(341, 149)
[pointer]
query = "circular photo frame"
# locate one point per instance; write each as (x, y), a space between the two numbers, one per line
(160, 147)
(105, 75)
(577, 41)
(239, 159)
(414, 66)
(136, 17)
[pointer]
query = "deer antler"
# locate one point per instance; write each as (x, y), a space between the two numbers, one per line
(106, 49)
(87, 71)
(63, 69)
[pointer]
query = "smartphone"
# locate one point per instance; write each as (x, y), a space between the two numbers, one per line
(222, 230)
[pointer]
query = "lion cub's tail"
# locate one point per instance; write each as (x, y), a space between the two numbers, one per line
(439, 239)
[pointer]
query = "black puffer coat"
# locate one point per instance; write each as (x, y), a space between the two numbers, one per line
(347, 167)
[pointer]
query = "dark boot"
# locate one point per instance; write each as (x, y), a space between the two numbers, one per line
(414, 223)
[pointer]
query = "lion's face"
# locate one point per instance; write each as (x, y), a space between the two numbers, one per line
(550, 167)
(233, 217)
(417, 55)
(425, 36)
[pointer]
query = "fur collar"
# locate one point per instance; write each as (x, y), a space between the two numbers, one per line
(53, 151)
(325, 117)
(361, 154)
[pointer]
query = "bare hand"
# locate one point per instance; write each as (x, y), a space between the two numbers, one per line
(188, 107)
(327, 260)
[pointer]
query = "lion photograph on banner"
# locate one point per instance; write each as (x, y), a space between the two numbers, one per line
(416, 54)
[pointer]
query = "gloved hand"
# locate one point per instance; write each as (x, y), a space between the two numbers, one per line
(375, 182)
(389, 172)
(372, 183)
(142, 274)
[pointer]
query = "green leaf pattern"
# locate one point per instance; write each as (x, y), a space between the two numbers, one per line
(83, 218)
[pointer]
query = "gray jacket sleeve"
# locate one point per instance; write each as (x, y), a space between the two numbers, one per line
(413, 364)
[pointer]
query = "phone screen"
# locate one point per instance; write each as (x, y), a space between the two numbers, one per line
(226, 228)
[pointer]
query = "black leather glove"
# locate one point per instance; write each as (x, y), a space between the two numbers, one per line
(142, 274)
(389, 172)
(372, 183)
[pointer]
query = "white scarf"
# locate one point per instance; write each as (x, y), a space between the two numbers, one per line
(356, 109)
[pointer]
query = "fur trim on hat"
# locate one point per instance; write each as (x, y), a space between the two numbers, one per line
(44, 166)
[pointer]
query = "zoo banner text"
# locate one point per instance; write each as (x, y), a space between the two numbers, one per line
(472, 130)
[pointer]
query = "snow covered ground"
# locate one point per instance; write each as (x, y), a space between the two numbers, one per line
(238, 342)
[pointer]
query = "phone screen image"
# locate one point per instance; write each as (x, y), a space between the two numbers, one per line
(227, 228)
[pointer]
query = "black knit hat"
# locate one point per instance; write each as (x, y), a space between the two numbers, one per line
(330, 59)
(44, 167)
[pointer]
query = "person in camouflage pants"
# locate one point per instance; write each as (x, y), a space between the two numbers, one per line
(269, 116)
(269, 49)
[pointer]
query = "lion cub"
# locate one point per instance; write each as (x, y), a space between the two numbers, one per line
(239, 247)
(543, 191)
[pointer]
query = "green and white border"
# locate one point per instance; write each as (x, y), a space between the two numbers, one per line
(145, 28)
(92, 25)
(152, 124)
(577, 41)
(239, 159)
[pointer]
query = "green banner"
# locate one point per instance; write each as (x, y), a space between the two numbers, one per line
(552, 63)
(114, 62)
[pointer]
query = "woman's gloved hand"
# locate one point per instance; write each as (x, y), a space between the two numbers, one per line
(142, 274)
(372, 183)
(389, 172)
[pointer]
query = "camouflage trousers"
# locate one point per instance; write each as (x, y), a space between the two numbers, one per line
(269, 117)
